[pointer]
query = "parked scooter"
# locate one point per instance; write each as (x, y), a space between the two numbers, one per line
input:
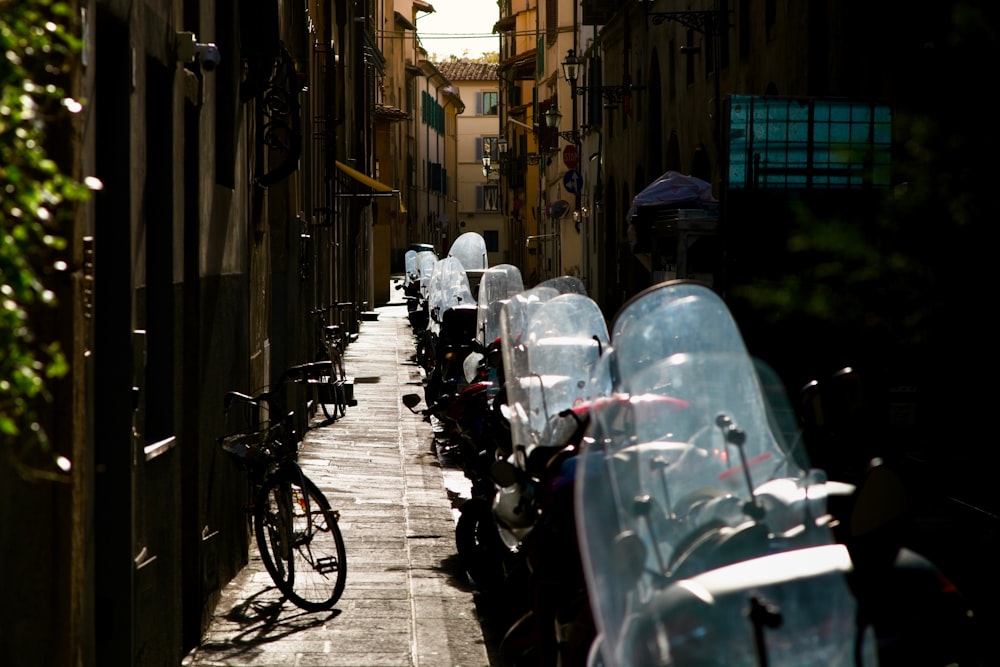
(470, 249)
(918, 510)
(481, 432)
(451, 328)
(549, 365)
(706, 537)
(417, 266)
(419, 316)
(452, 315)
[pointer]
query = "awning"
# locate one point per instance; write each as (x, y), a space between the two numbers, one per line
(403, 21)
(364, 179)
(505, 24)
(370, 182)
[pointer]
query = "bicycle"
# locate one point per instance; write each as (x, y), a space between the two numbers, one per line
(297, 532)
(330, 391)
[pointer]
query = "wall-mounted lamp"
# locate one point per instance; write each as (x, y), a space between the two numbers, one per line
(571, 70)
(552, 117)
(571, 67)
(552, 120)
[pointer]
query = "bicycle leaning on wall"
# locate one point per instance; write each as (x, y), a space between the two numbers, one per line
(331, 390)
(296, 530)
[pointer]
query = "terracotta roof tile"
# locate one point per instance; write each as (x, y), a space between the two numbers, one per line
(463, 70)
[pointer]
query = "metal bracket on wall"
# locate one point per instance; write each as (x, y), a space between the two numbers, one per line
(709, 22)
(613, 94)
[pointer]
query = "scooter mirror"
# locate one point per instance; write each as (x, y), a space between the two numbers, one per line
(411, 401)
(503, 473)
(629, 558)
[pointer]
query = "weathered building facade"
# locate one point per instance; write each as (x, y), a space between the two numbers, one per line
(243, 184)
(290, 174)
(481, 156)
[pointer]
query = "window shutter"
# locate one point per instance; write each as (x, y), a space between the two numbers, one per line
(479, 104)
(479, 198)
(479, 149)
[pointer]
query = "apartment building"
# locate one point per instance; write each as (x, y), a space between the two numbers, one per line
(481, 156)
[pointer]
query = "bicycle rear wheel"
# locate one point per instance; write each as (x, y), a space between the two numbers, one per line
(332, 397)
(338, 376)
(300, 540)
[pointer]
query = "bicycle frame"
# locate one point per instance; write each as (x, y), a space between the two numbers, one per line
(289, 535)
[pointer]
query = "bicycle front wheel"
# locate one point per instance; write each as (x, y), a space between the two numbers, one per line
(300, 542)
(333, 397)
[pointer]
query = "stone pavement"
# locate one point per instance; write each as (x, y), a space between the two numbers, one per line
(407, 600)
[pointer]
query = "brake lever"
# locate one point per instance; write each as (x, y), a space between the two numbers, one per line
(227, 401)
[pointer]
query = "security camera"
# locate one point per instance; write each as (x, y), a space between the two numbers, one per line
(208, 56)
(189, 48)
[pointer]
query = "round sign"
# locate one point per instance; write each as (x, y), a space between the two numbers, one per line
(571, 157)
(559, 208)
(573, 182)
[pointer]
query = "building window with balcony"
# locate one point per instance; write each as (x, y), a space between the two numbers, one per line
(487, 198)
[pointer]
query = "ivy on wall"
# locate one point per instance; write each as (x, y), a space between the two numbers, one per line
(38, 197)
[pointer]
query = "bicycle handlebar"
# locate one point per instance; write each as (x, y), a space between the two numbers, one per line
(308, 370)
(300, 372)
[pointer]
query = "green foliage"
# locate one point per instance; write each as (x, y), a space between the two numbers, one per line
(36, 206)
(907, 273)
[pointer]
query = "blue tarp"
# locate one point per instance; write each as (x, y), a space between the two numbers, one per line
(673, 189)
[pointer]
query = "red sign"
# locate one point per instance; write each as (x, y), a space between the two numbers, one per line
(570, 157)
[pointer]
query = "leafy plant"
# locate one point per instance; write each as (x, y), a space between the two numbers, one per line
(37, 203)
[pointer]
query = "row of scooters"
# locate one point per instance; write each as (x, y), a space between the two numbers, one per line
(641, 493)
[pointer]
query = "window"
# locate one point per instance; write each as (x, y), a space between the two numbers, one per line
(492, 239)
(432, 113)
(487, 146)
(487, 198)
(435, 177)
(489, 103)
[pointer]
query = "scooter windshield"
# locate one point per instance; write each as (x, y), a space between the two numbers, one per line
(426, 261)
(551, 348)
(409, 266)
(470, 250)
(498, 284)
(690, 467)
(449, 287)
(680, 341)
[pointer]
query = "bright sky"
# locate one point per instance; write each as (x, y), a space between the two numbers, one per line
(459, 27)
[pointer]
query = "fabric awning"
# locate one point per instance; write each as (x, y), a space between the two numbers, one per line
(370, 182)
(364, 179)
